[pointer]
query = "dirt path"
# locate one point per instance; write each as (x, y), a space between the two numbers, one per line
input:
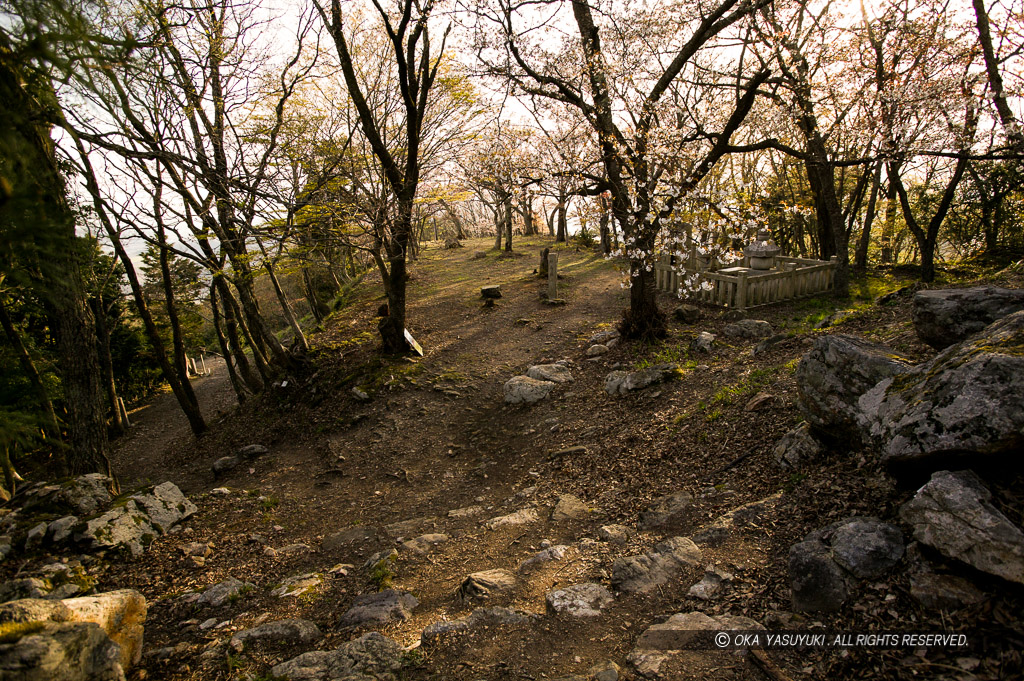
(140, 457)
(436, 451)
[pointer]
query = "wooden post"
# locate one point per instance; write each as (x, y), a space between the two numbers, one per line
(741, 291)
(124, 412)
(552, 276)
(206, 372)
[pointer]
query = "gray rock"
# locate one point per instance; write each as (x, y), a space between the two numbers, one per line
(24, 587)
(616, 534)
(555, 373)
(665, 510)
(548, 555)
(298, 585)
(35, 535)
(370, 657)
(86, 494)
(224, 464)
(60, 529)
(602, 337)
(965, 401)
(687, 314)
(710, 584)
(466, 512)
(623, 382)
(937, 591)
(223, 592)
(797, 447)
(357, 535)
(34, 610)
(953, 514)
(817, 582)
(578, 600)
(604, 671)
(597, 350)
(123, 527)
(68, 651)
(526, 390)
(424, 543)
(165, 506)
(748, 328)
(359, 395)
(479, 618)
(866, 547)
(521, 517)
(704, 342)
(749, 517)
(483, 585)
(252, 451)
(640, 574)
(682, 630)
(834, 374)
(569, 507)
(945, 317)
(379, 608)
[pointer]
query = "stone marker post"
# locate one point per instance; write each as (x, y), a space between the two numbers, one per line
(552, 276)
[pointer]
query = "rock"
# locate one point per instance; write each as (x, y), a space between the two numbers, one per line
(85, 495)
(358, 534)
(767, 344)
(817, 582)
(387, 556)
(123, 527)
(25, 587)
(946, 317)
(704, 342)
(748, 517)
(555, 373)
(798, 447)
(484, 585)
(832, 376)
(35, 535)
(569, 507)
(404, 528)
(490, 292)
(867, 547)
(604, 671)
(165, 505)
(479, 618)
(579, 600)
(224, 464)
(597, 350)
(424, 543)
(359, 395)
(34, 610)
(290, 632)
(252, 451)
(520, 517)
(953, 514)
(223, 592)
(121, 614)
(648, 571)
(60, 529)
(467, 512)
(710, 584)
(379, 608)
(965, 402)
(548, 555)
(370, 657)
(684, 630)
(68, 651)
(936, 591)
(748, 328)
(526, 390)
(665, 510)
(602, 337)
(298, 585)
(759, 401)
(616, 534)
(687, 314)
(622, 382)
(733, 315)
(220, 492)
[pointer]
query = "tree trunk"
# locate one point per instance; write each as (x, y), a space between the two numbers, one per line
(106, 364)
(563, 228)
(285, 307)
(508, 223)
(860, 260)
(225, 350)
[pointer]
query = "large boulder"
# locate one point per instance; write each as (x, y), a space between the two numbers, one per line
(371, 657)
(623, 382)
(834, 374)
(379, 608)
(165, 505)
(124, 527)
(966, 401)
(578, 600)
(953, 514)
(66, 651)
(121, 614)
(945, 317)
(555, 373)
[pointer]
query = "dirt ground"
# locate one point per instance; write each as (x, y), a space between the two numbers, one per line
(435, 436)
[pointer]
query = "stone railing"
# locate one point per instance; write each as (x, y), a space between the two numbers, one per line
(742, 287)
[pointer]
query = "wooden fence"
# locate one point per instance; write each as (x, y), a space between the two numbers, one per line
(740, 287)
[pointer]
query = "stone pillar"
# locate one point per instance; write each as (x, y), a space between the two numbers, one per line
(552, 276)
